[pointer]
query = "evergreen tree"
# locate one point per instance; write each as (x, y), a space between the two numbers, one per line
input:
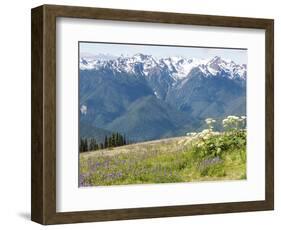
(124, 141)
(92, 144)
(113, 139)
(81, 145)
(85, 147)
(96, 146)
(105, 142)
(116, 139)
(120, 141)
(110, 142)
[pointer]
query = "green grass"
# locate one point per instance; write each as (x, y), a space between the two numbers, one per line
(183, 159)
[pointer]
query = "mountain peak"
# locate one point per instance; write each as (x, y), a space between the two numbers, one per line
(141, 57)
(217, 60)
(177, 67)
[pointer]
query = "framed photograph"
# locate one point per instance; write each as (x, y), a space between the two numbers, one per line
(140, 114)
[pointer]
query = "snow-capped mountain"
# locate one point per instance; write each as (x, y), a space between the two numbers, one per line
(178, 68)
(148, 98)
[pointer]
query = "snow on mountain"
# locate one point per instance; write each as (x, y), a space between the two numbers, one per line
(87, 63)
(181, 67)
(217, 65)
(178, 68)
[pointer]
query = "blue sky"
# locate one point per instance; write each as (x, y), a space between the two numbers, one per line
(237, 55)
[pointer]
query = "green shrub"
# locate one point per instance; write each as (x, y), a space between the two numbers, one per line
(217, 145)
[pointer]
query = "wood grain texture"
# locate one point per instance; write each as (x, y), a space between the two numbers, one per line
(44, 114)
(269, 116)
(37, 115)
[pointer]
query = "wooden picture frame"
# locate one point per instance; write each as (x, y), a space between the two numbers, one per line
(43, 189)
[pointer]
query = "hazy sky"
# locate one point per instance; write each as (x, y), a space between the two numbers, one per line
(237, 55)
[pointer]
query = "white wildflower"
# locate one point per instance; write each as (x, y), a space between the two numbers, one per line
(192, 134)
(210, 122)
(234, 122)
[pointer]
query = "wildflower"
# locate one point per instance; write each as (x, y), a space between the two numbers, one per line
(234, 122)
(210, 122)
(192, 134)
(205, 134)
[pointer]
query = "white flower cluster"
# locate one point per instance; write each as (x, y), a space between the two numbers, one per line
(229, 123)
(234, 122)
(192, 134)
(205, 134)
(210, 122)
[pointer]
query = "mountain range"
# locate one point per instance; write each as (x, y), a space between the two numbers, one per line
(149, 98)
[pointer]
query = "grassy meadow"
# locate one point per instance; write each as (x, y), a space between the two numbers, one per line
(204, 156)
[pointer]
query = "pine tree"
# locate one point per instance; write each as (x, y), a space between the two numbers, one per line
(124, 141)
(121, 141)
(113, 140)
(110, 142)
(96, 146)
(85, 147)
(116, 140)
(81, 145)
(105, 142)
(92, 144)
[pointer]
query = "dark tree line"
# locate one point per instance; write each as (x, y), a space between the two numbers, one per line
(114, 140)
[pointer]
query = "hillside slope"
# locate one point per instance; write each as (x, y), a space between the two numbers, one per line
(162, 161)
